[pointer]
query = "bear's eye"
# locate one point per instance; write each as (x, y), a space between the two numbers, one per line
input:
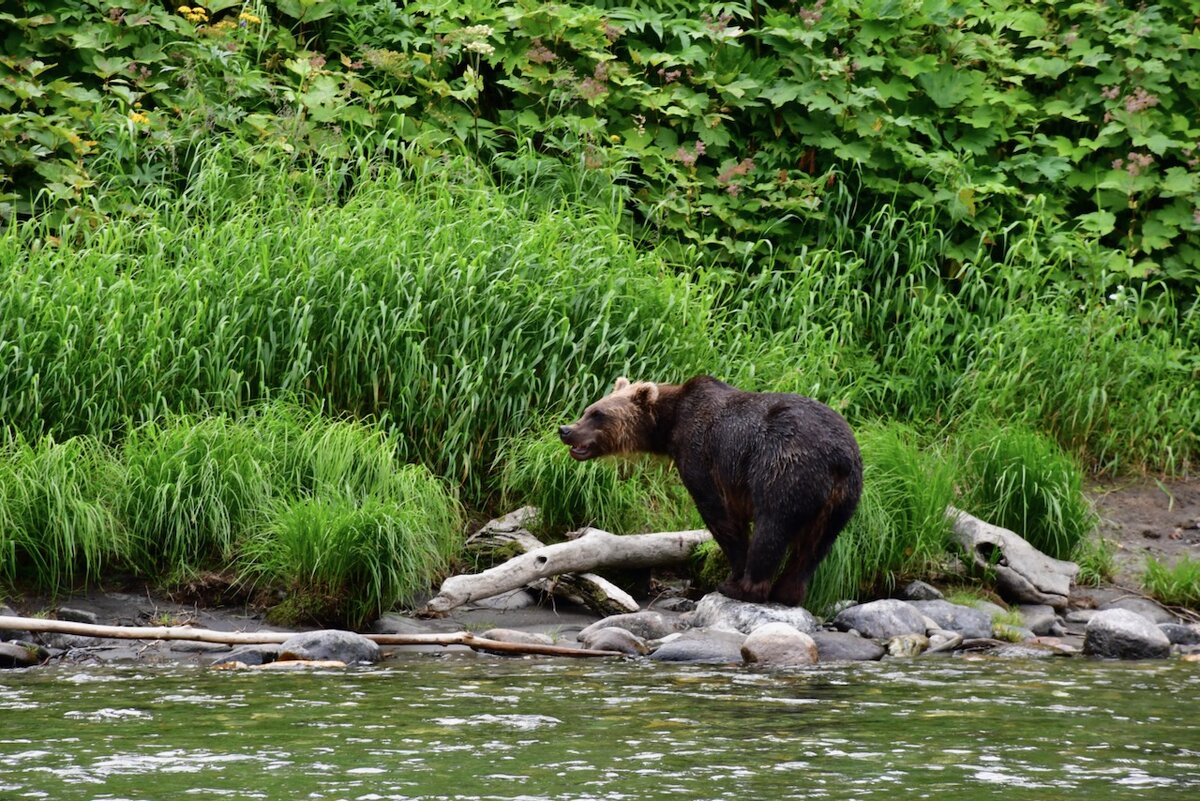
(596, 416)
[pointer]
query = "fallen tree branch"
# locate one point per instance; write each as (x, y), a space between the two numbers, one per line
(594, 549)
(40, 625)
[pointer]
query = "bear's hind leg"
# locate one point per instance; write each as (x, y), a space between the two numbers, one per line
(810, 546)
(768, 547)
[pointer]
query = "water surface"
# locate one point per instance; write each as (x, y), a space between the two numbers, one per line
(461, 727)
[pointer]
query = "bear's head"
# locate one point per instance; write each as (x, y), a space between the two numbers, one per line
(620, 422)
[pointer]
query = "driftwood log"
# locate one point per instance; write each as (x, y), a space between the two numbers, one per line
(1023, 573)
(40, 625)
(592, 549)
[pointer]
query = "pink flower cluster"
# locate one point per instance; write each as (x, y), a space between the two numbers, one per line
(688, 158)
(1139, 101)
(812, 16)
(727, 175)
(539, 53)
(1134, 163)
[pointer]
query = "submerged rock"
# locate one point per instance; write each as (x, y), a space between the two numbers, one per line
(881, 620)
(1122, 634)
(841, 646)
(250, 655)
(717, 611)
(329, 645)
(714, 646)
(907, 645)
(779, 645)
(968, 622)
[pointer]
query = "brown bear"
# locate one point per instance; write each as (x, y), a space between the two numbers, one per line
(786, 463)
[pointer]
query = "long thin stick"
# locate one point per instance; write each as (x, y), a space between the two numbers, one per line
(36, 624)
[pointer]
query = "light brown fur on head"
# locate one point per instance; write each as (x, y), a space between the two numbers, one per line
(617, 423)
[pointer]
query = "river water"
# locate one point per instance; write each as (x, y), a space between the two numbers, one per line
(465, 727)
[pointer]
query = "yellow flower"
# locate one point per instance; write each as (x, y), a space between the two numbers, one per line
(615, 139)
(138, 118)
(184, 10)
(247, 17)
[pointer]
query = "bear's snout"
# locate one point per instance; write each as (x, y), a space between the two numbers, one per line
(564, 433)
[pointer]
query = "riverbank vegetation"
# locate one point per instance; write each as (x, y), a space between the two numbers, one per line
(289, 281)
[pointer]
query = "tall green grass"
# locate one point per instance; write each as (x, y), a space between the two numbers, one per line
(625, 496)
(1174, 585)
(280, 497)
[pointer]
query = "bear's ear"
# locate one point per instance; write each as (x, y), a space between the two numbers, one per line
(646, 393)
(622, 382)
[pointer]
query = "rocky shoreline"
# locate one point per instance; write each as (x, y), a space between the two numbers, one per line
(1101, 623)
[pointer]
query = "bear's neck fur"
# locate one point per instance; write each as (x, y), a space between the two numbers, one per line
(663, 417)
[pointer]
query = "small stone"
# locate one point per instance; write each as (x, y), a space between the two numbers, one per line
(839, 646)
(329, 645)
(941, 640)
(195, 647)
(77, 615)
(881, 620)
(517, 637)
(1080, 615)
(920, 591)
(907, 645)
(711, 646)
(779, 645)
(717, 611)
(615, 639)
(646, 625)
(1122, 634)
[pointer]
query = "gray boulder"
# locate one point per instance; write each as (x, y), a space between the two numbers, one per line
(615, 639)
(1041, 619)
(517, 637)
(881, 620)
(717, 611)
(713, 646)
(968, 622)
(77, 615)
(1121, 634)
(1144, 607)
(646, 625)
(330, 645)
(841, 646)
(779, 645)
(15, 655)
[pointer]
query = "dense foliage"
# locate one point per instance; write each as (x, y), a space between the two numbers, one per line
(732, 123)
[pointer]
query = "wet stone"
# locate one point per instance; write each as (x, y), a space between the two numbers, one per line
(1144, 607)
(712, 646)
(779, 645)
(920, 591)
(1122, 634)
(717, 611)
(330, 645)
(1180, 634)
(517, 637)
(840, 646)
(1041, 619)
(77, 615)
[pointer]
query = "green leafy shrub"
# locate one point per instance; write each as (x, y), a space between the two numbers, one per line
(1023, 481)
(1095, 557)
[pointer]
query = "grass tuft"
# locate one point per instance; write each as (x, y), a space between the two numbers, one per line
(1175, 585)
(1023, 481)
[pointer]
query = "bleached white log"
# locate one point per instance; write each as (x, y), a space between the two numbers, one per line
(594, 549)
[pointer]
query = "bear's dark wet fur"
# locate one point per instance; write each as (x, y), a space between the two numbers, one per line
(785, 463)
